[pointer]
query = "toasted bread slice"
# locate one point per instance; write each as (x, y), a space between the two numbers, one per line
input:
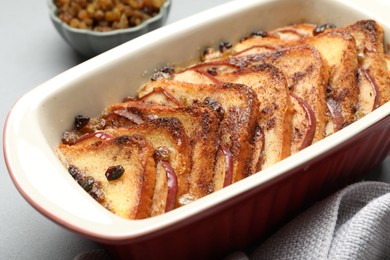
(168, 134)
(270, 86)
(129, 195)
(239, 105)
(201, 124)
(306, 73)
(339, 50)
(374, 84)
(162, 133)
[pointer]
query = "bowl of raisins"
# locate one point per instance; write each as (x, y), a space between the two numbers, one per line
(92, 27)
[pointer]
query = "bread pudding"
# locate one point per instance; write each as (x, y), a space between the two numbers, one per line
(243, 107)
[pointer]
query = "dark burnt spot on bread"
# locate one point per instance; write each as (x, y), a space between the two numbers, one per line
(271, 123)
(298, 76)
(276, 73)
(206, 121)
(370, 27)
(122, 140)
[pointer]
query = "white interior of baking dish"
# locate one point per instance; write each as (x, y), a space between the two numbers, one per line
(37, 121)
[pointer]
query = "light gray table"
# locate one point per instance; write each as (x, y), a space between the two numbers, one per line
(32, 52)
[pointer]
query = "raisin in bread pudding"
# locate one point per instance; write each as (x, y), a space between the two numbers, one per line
(194, 129)
(201, 124)
(171, 156)
(119, 172)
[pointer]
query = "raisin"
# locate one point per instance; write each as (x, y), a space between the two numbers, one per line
(80, 121)
(114, 172)
(212, 71)
(97, 192)
(321, 28)
(167, 69)
(75, 172)
(224, 46)
(163, 73)
(259, 33)
(69, 137)
(215, 105)
(161, 154)
(87, 183)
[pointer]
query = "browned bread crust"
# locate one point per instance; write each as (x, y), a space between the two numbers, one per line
(338, 49)
(270, 86)
(372, 71)
(129, 196)
(238, 125)
(372, 83)
(201, 124)
(245, 107)
(168, 133)
(306, 73)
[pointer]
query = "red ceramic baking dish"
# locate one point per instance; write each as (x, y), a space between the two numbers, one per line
(227, 220)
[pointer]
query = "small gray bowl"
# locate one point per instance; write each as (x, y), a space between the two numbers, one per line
(90, 43)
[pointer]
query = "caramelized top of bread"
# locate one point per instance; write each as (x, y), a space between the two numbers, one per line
(338, 49)
(306, 73)
(130, 194)
(164, 132)
(167, 133)
(372, 73)
(201, 124)
(243, 108)
(270, 86)
(239, 105)
(372, 83)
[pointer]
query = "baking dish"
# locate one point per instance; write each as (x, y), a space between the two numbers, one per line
(221, 222)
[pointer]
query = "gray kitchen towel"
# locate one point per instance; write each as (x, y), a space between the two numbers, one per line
(353, 223)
